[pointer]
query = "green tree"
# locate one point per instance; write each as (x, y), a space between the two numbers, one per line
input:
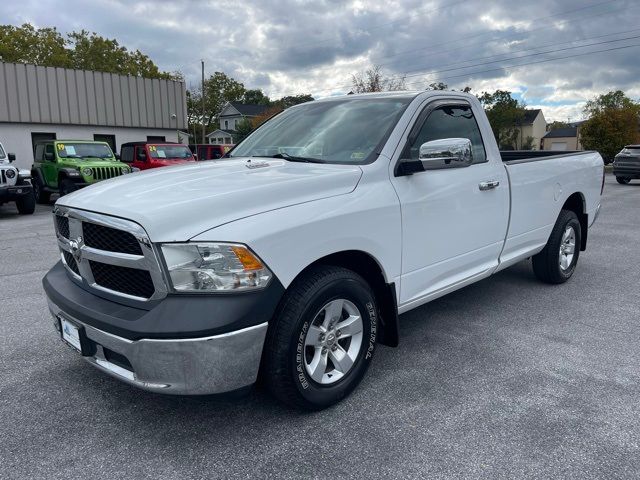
(505, 115)
(243, 128)
(374, 80)
(25, 44)
(291, 100)
(613, 123)
(556, 124)
(255, 97)
(219, 89)
(438, 86)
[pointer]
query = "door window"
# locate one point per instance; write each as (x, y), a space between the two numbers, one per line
(39, 137)
(449, 121)
(127, 154)
(49, 148)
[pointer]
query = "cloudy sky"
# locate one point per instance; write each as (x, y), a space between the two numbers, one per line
(554, 54)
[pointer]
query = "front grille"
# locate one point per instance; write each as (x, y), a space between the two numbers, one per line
(129, 281)
(110, 239)
(62, 223)
(3, 177)
(71, 262)
(104, 173)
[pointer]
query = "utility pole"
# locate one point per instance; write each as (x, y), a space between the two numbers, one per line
(202, 119)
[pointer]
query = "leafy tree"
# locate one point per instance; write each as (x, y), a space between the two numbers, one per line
(505, 115)
(81, 50)
(243, 128)
(556, 125)
(374, 80)
(219, 89)
(25, 44)
(255, 97)
(438, 86)
(528, 143)
(613, 123)
(291, 100)
(264, 116)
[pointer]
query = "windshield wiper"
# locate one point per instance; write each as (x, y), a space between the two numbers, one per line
(291, 158)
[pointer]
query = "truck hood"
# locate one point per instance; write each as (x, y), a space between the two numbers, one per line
(179, 202)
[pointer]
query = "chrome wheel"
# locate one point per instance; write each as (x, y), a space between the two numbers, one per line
(567, 248)
(333, 341)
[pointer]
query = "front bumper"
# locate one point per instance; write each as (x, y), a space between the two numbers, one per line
(14, 192)
(182, 344)
(193, 366)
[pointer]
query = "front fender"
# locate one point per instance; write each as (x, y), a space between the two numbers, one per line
(290, 239)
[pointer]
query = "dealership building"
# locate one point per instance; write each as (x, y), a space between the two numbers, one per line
(42, 103)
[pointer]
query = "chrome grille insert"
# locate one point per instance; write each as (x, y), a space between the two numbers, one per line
(109, 254)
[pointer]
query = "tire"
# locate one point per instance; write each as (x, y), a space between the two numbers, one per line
(67, 186)
(40, 195)
(623, 180)
(295, 343)
(26, 205)
(551, 265)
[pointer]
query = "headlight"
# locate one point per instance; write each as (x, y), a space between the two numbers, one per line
(125, 170)
(214, 267)
(87, 172)
(10, 173)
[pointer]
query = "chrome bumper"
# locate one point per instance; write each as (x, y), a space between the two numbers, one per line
(194, 366)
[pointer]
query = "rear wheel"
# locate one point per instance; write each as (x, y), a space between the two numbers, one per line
(40, 195)
(26, 205)
(623, 180)
(67, 186)
(322, 338)
(557, 261)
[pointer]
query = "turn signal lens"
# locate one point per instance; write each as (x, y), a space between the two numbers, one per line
(248, 259)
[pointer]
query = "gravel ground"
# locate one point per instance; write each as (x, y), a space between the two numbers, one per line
(506, 378)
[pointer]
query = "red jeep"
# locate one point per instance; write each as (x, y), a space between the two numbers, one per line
(209, 151)
(144, 155)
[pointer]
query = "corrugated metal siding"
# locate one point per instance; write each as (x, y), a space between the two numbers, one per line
(32, 94)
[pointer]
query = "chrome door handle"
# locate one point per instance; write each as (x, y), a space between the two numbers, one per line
(490, 185)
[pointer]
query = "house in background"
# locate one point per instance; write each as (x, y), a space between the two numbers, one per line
(563, 139)
(533, 125)
(230, 116)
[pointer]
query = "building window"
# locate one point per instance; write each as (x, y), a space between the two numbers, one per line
(226, 124)
(156, 138)
(227, 140)
(108, 139)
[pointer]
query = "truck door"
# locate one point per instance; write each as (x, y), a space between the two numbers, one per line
(49, 167)
(453, 226)
(140, 159)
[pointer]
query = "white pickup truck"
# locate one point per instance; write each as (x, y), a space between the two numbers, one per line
(292, 258)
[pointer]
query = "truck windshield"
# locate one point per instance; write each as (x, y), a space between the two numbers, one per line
(83, 150)
(336, 131)
(170, 152)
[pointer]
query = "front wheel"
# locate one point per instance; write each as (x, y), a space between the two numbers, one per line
(40, 195)
(623, 180)
(26, 205)
(557, 261)
(322, 338)
(67, 186)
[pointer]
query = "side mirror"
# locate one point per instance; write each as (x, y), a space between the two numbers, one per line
(438, 155)
(11, 157)
(49, 157)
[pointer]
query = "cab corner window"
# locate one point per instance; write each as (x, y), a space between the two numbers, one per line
(449, 121)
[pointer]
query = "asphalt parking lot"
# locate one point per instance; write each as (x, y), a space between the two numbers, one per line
(506, 378)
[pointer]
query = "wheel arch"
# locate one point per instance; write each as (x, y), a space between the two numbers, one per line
(577, 204)
(365, 265)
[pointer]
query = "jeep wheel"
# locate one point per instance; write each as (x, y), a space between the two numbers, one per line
(67, 186)
(623, 180)
(40, 195)
(27, 204)
(322, 338)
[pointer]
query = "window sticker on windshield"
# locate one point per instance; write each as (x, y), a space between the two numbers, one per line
(71, 150)
(161, 153)
(60, 146)
(152, 148)
(226, 149)
(357, 155)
